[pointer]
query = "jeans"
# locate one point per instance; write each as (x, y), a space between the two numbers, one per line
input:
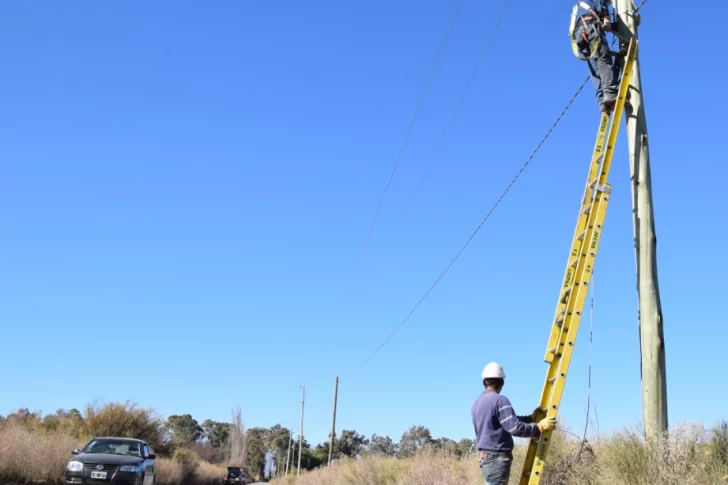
(496, 468)
(604, 73)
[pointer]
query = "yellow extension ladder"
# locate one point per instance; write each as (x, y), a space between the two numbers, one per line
(578, 275)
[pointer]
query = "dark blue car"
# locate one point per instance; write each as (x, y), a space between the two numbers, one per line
(111, 461)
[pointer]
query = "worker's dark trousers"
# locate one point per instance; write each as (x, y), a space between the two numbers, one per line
(496, 468)
(604, 73)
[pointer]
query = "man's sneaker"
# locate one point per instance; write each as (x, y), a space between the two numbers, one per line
(609, 101)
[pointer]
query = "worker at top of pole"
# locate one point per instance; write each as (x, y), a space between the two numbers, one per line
(590, 21)
(496, 423)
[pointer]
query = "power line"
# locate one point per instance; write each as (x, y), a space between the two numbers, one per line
(452, 117)
(483, 221)
(589, 385)
(423, 95)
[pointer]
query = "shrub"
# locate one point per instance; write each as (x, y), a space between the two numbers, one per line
(126, 420)
(188, 460)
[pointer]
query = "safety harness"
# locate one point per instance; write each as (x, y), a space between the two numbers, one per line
(590, 49)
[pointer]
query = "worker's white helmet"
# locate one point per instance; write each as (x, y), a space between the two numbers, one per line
(493, 371)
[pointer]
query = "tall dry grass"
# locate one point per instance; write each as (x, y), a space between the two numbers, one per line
(169, 472)
(209, 474)
(33, 456)
(173, 472)
(28, 455)
(688, 455)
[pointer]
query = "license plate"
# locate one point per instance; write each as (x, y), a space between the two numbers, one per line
(98, 475)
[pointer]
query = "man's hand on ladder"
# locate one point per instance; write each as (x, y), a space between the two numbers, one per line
(547, 424)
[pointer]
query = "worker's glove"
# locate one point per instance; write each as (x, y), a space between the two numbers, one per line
(607, 24)
(547, 424)
(636, 19)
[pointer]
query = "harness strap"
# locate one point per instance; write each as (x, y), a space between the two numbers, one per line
(594, 47)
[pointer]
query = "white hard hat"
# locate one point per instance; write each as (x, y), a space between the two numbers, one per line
(493, 371)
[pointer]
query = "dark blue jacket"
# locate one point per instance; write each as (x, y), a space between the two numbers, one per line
(496, 423)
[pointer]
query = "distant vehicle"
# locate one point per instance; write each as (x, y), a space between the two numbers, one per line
(111, 461)
(235, 476)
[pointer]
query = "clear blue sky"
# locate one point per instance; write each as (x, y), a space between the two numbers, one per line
(186, 189)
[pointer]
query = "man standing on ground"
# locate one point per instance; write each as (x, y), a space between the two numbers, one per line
(495, 425)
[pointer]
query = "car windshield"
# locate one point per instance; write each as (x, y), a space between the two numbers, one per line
(233, 474)
(113, 447)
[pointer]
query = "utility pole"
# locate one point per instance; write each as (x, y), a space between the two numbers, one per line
(288, 458)
(652, 339)
(300, 434)
(333, 420)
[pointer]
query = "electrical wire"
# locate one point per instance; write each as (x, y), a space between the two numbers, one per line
(589, 385)
(482, 222)
(452, 117)
(420, 102)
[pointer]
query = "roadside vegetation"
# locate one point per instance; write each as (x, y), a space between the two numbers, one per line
(36, 448)
(688, 455)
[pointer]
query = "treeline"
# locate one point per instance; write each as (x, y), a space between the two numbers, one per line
(261, 451)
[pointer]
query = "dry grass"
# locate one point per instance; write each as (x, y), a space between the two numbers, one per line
(209, 474)
(689, 455)
(32, 456)
(172, 472)
(169, 472)
(35, 456)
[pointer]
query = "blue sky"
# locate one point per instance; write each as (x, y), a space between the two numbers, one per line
(186, 190)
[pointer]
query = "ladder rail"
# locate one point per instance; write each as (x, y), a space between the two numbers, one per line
(580, 229)
(577, 276)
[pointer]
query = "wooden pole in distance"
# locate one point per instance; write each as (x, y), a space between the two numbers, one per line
(333, 420)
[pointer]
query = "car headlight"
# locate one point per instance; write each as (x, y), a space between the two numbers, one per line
(74, 466)
(129, 468)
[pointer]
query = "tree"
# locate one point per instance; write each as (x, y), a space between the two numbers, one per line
(23, 417)
(257, 448)
(350, 444)
(413, 440)
(311, 459)
(238, 440)
(185, 429)
(278, 438)
(447, 445)
(382, 446)
(216, 433)
(465, 445)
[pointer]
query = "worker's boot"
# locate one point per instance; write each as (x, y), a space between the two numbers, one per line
(607, 105)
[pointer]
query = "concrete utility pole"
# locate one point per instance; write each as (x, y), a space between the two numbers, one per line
(333, 420)
(300, 435)
(652, 339)
(288, 458)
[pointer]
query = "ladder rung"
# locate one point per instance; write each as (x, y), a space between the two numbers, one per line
(594, 206)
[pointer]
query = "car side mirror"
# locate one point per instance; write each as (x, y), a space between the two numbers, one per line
(151, 457)
(75, 452)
